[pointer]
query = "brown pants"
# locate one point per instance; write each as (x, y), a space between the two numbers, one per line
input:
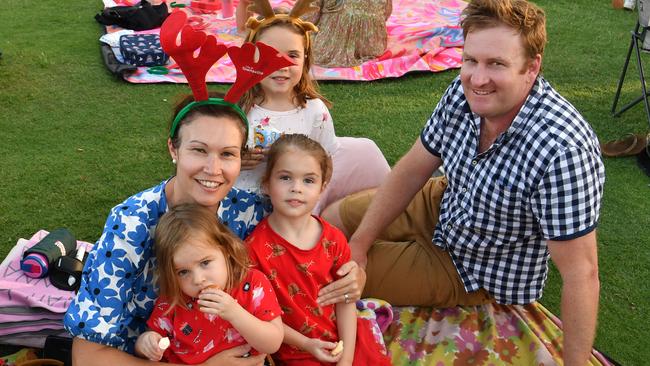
(404, 267)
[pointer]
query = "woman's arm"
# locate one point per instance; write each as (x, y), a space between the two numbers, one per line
(346, 322)
(86, 353)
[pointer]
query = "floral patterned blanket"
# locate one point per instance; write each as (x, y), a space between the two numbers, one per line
(473, 335)
(422, 36)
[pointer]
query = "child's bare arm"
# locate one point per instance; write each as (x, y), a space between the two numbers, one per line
(264, 336)
(321, 350)
(346, 322)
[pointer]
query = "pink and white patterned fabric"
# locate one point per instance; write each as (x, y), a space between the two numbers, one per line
(422, 36)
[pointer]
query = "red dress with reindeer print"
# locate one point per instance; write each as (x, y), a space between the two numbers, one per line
(297, 275)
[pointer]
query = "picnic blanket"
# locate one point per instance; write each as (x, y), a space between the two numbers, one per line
(422, 36)
(492, 334)
(30, 308)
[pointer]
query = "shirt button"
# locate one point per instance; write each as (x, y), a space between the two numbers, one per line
(474, 162)
(464, 190)
(449, 227)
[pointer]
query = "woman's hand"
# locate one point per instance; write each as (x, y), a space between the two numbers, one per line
(253, 158)
(321, 350)
(235, 357)
(217, 302)
(147, 346)
(347, 288)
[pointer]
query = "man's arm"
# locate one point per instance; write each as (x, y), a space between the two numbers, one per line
(577, 261)
(407, 177)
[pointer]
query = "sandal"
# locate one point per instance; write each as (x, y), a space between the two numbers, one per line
(629, 145)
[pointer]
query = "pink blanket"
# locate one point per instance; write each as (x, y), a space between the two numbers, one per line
(16, 289)
(422, 36)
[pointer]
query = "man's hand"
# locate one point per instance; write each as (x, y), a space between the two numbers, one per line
(351, 283)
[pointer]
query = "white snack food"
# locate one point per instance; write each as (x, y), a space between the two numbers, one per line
(338, 349)
(163, 343)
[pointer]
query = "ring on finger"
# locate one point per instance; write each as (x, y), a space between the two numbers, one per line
(346, 297)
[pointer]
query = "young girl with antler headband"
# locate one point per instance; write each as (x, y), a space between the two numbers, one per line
(288, 101)
(206, 138)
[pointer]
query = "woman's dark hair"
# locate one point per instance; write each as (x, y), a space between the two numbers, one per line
(210, 110)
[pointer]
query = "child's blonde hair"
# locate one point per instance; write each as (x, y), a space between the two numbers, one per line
(304, 144)
(191, 220)
(307, 88)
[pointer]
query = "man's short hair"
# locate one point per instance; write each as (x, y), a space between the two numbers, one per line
(524, 17)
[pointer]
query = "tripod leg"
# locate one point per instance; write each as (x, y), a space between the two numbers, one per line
(622, 78)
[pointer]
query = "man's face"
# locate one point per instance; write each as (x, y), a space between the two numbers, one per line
(496, 74)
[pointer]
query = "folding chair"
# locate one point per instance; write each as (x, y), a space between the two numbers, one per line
(639, 33)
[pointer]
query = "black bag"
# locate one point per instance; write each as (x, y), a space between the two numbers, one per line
(139, 17)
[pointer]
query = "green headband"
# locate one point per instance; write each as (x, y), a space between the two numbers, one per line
(211, 101)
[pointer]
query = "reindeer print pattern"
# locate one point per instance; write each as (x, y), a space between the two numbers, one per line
(297, 276)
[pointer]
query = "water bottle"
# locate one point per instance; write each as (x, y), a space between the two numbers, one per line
(38, 259)
(226, 9)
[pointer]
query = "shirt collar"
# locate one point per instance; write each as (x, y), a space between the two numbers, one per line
(519, 123)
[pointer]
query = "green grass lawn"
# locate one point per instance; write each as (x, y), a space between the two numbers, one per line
(75, 140)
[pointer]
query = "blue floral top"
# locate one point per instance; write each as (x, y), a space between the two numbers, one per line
(118, 289)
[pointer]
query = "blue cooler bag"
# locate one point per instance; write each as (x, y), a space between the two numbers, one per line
(142, 50)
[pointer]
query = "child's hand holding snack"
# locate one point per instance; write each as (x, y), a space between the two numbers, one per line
(148, 346)
(215, 301)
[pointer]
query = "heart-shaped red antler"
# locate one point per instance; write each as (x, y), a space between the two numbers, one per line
(194, 68)
(250, 72)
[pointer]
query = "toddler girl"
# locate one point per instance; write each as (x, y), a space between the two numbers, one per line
(300, 253)
(209, 300)
(288, 101)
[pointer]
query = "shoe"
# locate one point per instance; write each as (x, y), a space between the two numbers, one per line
(629, 145)
(629, 4)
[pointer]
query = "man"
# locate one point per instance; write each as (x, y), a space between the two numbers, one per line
(525, 179)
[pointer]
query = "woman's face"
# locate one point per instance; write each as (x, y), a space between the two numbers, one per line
(208, 160)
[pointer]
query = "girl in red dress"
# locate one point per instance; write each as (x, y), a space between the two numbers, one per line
(210, 300)
(300, 253)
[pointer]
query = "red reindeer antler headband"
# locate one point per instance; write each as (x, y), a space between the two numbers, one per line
(196, 67)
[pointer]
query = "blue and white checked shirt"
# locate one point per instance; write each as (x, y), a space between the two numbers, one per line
(542, 179)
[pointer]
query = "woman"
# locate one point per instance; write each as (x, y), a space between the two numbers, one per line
(118, 290)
